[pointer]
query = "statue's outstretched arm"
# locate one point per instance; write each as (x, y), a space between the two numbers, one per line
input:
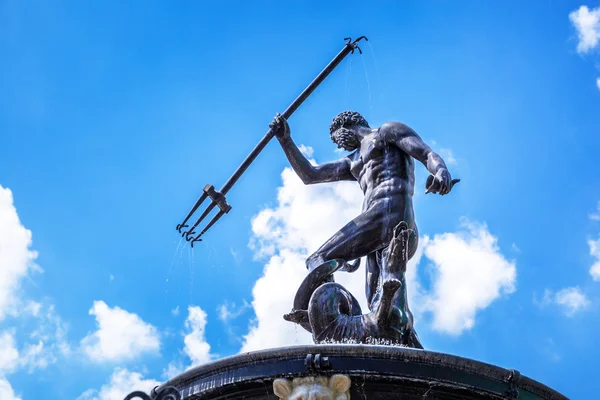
(333, 171)
(328, 172)
(408, 140)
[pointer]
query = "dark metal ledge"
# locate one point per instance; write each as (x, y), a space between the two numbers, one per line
(377, 372)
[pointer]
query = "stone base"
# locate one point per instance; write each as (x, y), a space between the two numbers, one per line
(376, 372)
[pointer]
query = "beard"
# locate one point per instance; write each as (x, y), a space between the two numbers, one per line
(345, 139)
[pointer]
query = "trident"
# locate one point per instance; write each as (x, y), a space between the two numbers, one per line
(218, 197)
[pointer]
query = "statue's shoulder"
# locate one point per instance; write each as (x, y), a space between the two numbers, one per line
(395, 130)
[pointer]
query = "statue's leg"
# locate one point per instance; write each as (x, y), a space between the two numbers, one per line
(366, 233)
(356, 239)
(393, 269)
(402, 248)
(372, 276)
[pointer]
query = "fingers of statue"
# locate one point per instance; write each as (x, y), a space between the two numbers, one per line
(440, 183)
(443, 177)
(432, 185)
(280, 126)
(428, 184)
(445, 185)
(440, 186)
(276, 124)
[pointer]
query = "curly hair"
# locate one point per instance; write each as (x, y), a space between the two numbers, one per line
(339, 133)
(347, 119)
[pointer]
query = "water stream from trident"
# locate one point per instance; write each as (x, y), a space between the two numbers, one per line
(368, 87)
(376, 67)
(348, 82)
(178, 251)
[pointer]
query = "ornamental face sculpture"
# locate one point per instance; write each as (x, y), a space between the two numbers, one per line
(381, 161)
(313, 388)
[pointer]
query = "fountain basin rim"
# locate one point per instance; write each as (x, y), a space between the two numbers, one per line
(360, 351)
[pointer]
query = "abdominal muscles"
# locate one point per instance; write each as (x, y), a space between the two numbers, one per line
(387, 176)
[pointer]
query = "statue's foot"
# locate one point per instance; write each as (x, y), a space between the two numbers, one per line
(411, 339)
(385, 307)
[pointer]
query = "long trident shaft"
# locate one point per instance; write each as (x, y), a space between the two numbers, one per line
(218, 198)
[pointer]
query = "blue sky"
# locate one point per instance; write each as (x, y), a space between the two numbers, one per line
(114, 116)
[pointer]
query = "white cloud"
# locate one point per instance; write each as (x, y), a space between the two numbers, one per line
(9, 362)
(37, 356)
(120, 336)
(595, 252)
(175, 311)
(595, 216)
(196, 347)
(224, 312)
(33, 308)
(306, 150)
(48, 343)
(571, 300)
(469, 273)
(305, 216)
(50, 339)
(598, 83)
(17, 261)
(236, 256)
(6, 391)
(587, 24)
(448, 156)
(16, 257)
(122, 382)
(173, 369)
(549, 349)
(9, 355)
(229, 311)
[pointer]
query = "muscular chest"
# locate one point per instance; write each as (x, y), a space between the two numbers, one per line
(372, 148)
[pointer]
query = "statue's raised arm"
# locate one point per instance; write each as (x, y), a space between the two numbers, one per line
(328, 172)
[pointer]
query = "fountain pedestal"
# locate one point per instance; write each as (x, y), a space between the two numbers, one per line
(375, 372)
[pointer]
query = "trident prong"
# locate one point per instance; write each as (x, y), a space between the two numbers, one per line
(188, 235)
(181, 226)
(354, 44)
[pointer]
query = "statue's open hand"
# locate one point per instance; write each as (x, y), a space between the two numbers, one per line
(441, 182)
(280, 127)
